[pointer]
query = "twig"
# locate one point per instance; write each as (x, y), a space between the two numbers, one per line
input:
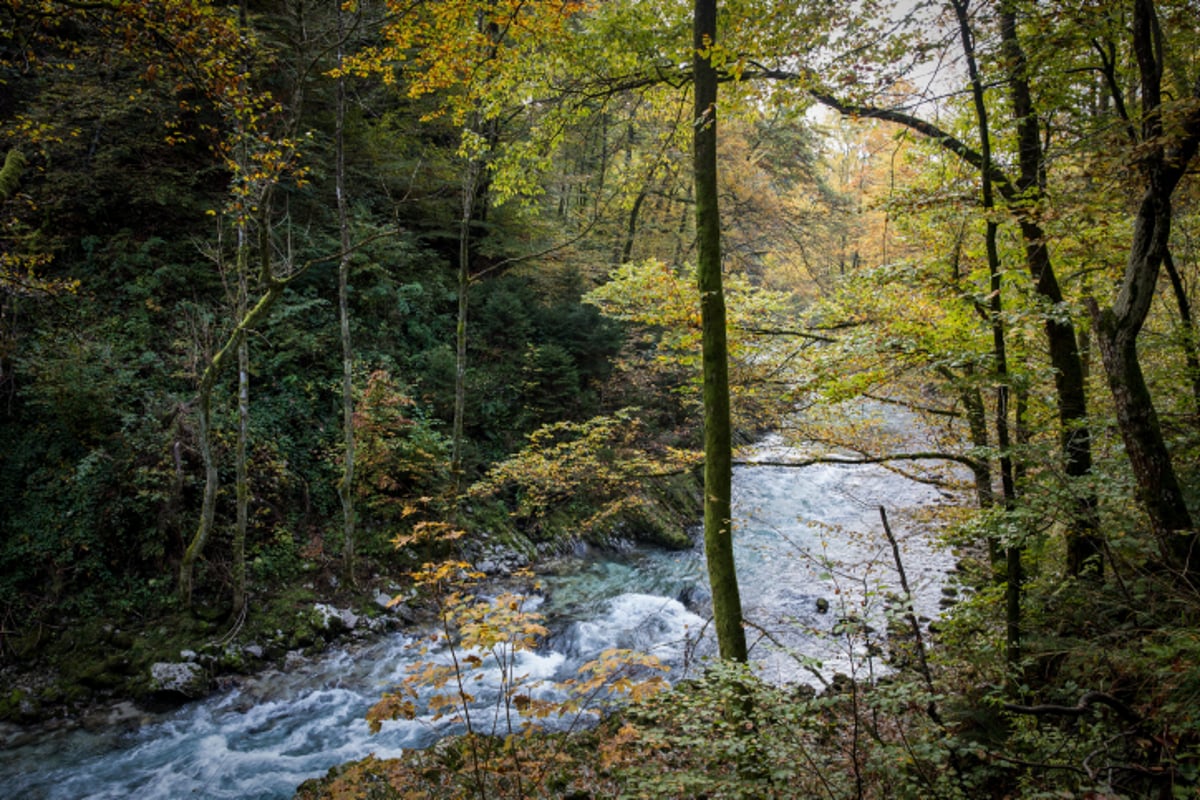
(770, 637)
(1088, 700)
(912, 618)
(1020, 762)
(852, 460)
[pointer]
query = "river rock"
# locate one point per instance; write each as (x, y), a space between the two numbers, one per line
(178, 678)
(123, 715)
(19, 705)
(406, 613)
(293, 660)
(497, 559)
(336, 619)
(695, 597)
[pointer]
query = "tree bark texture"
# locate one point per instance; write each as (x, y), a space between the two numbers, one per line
(208, 504)
(976, 413)
(242, 475)
(1084, 544)
(1163, 161)
(458, 425)
(208, 380)
(718, 442)
(995, 314)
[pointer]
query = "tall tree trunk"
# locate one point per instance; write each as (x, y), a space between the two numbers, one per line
(475, 190)
(470, 188)
(346, 484)
(631, 227)
(1012, 549)
(718, 442)
(1163, 163)
(1084, 544)
(208, 504)
(976, 412)
(242, 475)
(208, 508)
(208, 379)
(241, 469)
(1116, 336)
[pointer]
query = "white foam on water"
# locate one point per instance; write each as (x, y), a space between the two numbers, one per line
(659, 626)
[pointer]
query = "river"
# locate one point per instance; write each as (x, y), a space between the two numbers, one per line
(803, 536)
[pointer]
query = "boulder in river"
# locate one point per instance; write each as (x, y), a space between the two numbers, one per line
(335, 620)
(185, 679)
(695, 598)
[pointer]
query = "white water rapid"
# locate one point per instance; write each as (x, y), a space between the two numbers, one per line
(803, 536)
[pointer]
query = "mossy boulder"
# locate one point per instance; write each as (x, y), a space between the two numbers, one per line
(20, 705)
(330, 619)
(106, 673)
(185, 680)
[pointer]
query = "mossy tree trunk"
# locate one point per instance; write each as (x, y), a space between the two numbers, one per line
(718, 442)
(208, 504)
(242, 472)
(208, 379)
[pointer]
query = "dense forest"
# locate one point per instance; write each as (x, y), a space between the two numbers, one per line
(304, 300)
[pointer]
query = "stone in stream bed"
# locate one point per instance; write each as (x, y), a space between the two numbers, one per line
(335, 620)
(185, 679)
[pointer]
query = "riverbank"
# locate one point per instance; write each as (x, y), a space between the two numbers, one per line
(114, 669)
(92, 672)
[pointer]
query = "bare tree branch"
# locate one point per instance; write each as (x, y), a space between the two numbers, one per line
(851, 460)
